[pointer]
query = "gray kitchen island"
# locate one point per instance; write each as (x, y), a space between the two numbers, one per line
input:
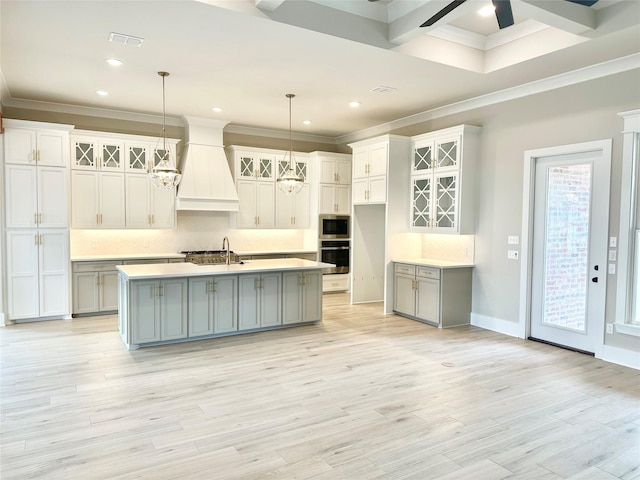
(178, 302)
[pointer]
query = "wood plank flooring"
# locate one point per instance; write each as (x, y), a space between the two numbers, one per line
(361, 396)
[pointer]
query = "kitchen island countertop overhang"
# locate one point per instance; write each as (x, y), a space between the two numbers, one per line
(178, 302)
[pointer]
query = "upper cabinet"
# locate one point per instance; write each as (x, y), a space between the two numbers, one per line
(36, 143)
(443, 180)
(371, 159)
(334, 187)
(110, 187)
(262, 204)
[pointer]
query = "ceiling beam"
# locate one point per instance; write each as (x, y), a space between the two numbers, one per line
(567, 16)
(407, 27)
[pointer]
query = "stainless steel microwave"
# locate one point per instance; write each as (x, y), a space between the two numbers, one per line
(334, 226)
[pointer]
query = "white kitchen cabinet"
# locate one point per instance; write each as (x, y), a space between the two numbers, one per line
(36, 197)
(256, 204)
(96, 152)
(213, 305)
(254, 164)
(95, 287)
(261, 304)
(36, 143)
(147, 206)
(334, 199)
(335, 168)
(443, 180)
(159, 309)
(144, 153)
(97, 199)
(336, 282)
(441, 297)
(37, 273)
(302, 297)
(292, 211)
(369, 177)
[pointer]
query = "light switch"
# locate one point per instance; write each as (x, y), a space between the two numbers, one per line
(513, 240)
(613, 242)
(512, 254)
(612, 269)
(612, 255)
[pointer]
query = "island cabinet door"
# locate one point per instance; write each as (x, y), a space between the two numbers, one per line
(312, 297)
(145, 311)
(249, 302)
(200, 307)
(225, 301)
(292, 297)
(270, 299)
(173, 310)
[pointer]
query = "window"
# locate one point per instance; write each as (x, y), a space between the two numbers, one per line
(628, 286)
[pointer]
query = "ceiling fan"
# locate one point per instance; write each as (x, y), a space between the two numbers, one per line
(504, 15)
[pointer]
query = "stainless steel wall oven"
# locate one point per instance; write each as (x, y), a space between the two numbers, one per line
(336, 252)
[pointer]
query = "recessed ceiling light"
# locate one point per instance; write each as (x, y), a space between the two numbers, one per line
(114, 62)
(102, 93)
(487, 10)
(307, 122)
(216, 109)
(354, 104)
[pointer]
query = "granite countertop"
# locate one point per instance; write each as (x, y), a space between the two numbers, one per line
(432, 262)
(123, 256)
(136, 272)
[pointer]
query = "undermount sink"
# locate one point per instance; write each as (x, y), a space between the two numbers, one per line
(240, 262)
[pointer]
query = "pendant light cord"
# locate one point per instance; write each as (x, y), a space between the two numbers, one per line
(290, 96)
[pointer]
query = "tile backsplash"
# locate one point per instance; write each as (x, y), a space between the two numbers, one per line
(454, 248)
(195, 231)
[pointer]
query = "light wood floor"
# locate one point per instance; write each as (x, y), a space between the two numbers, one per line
(362, 396)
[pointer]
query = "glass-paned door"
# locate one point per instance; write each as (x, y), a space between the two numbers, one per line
(567, 277)
(446, 188)
(421, 193)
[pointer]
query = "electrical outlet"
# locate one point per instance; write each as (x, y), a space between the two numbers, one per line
(610, 328)
(612, 255)
(512, 254)
(513, 240)
(612, 269)
(613, 242)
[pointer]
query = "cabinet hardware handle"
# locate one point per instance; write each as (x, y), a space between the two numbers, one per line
(214, 287)
(39, 218)
(34, 155)
(35, 218)
(100, 219)
(153, 219)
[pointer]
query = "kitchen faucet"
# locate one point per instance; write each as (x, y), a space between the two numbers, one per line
(225, 241)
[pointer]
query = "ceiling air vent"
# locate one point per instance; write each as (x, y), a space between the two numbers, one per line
(383, 89)
(129, 40)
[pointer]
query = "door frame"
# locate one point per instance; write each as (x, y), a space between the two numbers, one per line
(528, 202)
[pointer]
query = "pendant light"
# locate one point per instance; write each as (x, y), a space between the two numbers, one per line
(290, 183)
(163, 175)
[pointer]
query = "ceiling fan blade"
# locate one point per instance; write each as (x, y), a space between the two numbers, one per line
(503, 13)
(443, 12)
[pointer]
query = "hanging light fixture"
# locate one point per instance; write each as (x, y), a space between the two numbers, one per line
(290, 183)
(163, 175)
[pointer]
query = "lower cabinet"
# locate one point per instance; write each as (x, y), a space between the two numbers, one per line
(95, 287)
(158, 310)
(213, 305)
(302, 297)
(261, 300)
(439, 296)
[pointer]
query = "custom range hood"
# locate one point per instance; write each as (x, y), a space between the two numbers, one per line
(207, 184)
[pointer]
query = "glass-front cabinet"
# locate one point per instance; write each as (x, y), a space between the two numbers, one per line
(441, 162)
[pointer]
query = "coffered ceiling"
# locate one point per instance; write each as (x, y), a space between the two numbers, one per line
(243, 56)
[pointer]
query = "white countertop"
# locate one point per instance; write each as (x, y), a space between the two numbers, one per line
(124, 256)
(431, 262)
(136, 272)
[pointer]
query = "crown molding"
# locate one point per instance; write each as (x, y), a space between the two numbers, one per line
(592, 72)
(90, 111)
(264, 132)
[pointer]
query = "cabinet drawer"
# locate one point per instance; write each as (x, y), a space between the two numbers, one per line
(407, 269)
(428, 272)
(94, 266)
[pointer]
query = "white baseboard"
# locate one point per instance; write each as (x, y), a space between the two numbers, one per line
(620, 356)
(496, 325)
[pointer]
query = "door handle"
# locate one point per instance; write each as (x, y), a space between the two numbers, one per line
(594, 279)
